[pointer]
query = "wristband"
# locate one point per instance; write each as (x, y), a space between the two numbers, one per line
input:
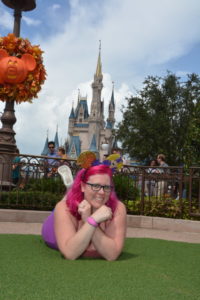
(92, 222)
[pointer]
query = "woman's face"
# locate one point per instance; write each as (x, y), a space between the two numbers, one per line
(94, 197)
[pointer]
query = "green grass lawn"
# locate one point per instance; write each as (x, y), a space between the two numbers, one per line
(147, 269)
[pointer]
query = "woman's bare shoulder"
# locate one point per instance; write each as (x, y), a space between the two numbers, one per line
(121, 207)
(120, 210)
(63, 213)
(61, 205)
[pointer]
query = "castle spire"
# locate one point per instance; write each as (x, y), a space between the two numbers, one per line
(112, 100)
(72, 114)
(79, 95)
(56, 141)
(46, 149)
(99, 65)
(111, 111)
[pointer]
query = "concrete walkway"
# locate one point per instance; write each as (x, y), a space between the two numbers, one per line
(35, 228)
(30, 222)
(188, 237)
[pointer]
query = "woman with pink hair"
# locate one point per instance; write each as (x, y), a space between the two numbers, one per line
(89, 221)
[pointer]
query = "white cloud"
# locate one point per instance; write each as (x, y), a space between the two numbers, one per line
(150, 31)
(55, 6)
(182, 73)
(30, 21)
(6, 20)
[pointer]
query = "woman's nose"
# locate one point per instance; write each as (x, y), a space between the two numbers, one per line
(101, 191)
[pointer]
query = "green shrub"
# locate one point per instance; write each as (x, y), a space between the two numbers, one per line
(162, 207)
(29, 200)
(38, 194)
(124, 187)
(53, 185)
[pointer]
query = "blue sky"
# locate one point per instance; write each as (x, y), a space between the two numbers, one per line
(139, 38)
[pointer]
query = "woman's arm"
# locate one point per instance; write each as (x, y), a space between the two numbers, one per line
(71, 243)
(110, 243)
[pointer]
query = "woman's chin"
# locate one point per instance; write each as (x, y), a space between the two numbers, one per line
(97, 204)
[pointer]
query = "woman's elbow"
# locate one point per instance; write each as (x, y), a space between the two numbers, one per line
(116, 252)
(68, 254)
(70, 257)
(113, 256)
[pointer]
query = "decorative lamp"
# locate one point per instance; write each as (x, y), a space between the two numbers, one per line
(105, 147)
(23, 5)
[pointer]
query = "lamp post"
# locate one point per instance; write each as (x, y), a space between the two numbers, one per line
(7, 134)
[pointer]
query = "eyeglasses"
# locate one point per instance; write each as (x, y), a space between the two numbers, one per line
(51, 147)
(96, 187)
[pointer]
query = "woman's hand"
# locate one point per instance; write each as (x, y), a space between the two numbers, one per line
(84, 209)
(102, 214)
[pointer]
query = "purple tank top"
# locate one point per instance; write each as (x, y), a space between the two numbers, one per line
(48, 233)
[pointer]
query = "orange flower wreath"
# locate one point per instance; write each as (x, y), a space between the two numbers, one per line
(29, 88)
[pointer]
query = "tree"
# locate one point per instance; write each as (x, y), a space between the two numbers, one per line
(192, 143)
(158, 119)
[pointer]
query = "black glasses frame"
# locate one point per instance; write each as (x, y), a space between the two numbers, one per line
(96, 187)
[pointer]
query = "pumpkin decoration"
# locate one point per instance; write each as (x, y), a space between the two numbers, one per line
(21, 69)
(14, 69)
(86, 159)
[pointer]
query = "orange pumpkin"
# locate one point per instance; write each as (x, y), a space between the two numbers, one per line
(13, 69)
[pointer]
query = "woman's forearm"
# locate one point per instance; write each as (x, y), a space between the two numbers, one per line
(105, 245)
(78, 243)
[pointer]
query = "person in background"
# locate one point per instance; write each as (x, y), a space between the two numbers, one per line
(61, 153)
(89, 221)
(52, 152)
(116, 151)
(161, 161)
(119, 152)
(52, 163)
(162, 184)
(151, 184)
(16, 168)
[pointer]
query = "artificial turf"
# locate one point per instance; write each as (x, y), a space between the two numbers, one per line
(147, 269)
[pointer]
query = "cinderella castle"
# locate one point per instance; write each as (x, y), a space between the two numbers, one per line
(88, 130)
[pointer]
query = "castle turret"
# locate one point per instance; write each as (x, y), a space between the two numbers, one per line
(96, 112)
(56, 141)
(111, 111)
(71, 121)
(45, 150)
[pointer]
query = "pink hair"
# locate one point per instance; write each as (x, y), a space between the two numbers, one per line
(75, 195)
